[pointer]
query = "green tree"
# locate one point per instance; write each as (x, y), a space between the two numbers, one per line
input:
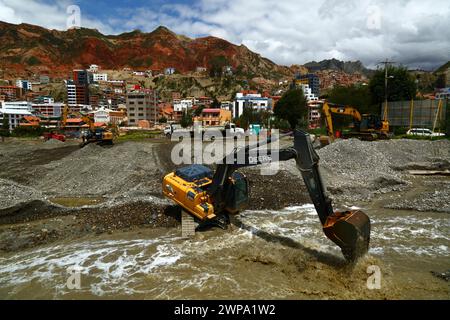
(292, 107)
(197, 112)
(217, 64)
(401, 87)
(216, 104)
(251, 116)
(163, 120)
(355, 96)
(186, 119)
(4, 130)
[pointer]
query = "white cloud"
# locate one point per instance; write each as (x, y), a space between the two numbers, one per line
(52, 16)
(413, 32)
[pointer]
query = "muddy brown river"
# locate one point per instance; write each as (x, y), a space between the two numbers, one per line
(265, 255)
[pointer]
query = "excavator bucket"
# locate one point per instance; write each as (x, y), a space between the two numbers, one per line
(350, 230)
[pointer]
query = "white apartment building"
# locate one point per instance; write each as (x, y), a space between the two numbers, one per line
(182, 105)
(71, 94)
(102, 115)
(24, 84)
(93, 68)
(254, 101)
(48, 109)
(97, 77)
(307, 92)
(15, 111)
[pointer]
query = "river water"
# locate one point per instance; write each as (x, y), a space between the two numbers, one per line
(265, 254)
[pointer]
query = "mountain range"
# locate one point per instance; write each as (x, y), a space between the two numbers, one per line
(28, 47)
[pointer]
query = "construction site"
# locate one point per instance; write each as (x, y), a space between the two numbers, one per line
(102, 209)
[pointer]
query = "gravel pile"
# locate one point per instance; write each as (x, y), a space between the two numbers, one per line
(437, 200)
(355, 169)
(54, 142)
(131, 168)
(13, 193)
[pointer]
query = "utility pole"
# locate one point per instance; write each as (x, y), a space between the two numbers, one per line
(386, 77)
(155, 93)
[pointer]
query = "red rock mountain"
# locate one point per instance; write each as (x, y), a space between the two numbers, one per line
(27, 48)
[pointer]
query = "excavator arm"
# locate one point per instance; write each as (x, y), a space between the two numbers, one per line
(350, 230)
(329, 110)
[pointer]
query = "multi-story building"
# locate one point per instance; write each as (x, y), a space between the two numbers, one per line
(169, 71)
(183, 105)
(11, 93)
(78, 88)
(24, 84)
(99, 77)
(77, 94)
(251, 100)
(43, 99)
(307, 92)
(48, 109)
(142, 106)
(214, 117)
(44, 79)
(94, 68)
(310, 79)
(15, 111)
(102, 116)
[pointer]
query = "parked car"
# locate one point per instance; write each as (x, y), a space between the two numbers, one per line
(424, 132)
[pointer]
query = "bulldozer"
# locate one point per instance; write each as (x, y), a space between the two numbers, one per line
(211, 197)
(99, 136)
(364, 127)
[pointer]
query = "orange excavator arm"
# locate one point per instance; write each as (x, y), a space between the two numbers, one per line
(337, 109)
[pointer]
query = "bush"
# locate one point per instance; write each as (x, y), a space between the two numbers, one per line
(30, 132)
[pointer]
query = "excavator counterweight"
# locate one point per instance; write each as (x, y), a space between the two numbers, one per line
(211, 196)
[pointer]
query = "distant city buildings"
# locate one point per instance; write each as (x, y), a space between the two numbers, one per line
(214, 117)
(99, 77)
(44, 79)
(10, 93)
(310, 79)
(24, 84)
(142, 106)
(307, 92)
(94, 68)
(169, 71)
(50, 110)
(250, 100)
(15, 111)
(78, 88)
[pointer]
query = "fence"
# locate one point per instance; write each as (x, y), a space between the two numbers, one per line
(417, 113)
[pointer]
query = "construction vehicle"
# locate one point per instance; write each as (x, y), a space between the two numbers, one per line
(210, 197)
(98, 135)
(365, 127)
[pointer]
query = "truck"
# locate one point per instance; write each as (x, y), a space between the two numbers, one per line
(54, 135)
(207, 133)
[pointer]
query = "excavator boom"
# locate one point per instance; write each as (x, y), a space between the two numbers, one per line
(350, 230)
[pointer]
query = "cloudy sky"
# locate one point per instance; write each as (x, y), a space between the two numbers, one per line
(415, 33)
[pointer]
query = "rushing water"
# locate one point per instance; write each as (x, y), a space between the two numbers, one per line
(267, 254)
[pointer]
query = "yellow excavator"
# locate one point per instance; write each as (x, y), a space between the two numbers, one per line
(100, 136)
(210, 197)
(365, 127)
